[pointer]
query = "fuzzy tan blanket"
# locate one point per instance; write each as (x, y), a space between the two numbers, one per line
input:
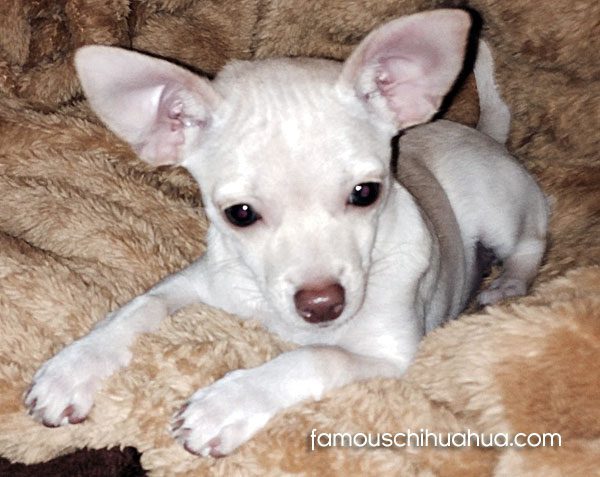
(85, 226)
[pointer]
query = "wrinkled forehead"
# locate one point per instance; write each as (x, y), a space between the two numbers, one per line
(282, 134)
(279, 98)
(289, 110)
(280, 80)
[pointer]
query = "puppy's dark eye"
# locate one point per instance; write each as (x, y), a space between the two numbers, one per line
(241, 215)
(364, 194)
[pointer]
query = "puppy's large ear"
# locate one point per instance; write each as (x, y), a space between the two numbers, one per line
(146, 101)
(403, 69)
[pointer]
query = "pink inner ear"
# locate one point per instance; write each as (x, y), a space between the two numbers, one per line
(412, 62)
(153, 116)
(161, 143)
(394, 71)
(403, 83)
(145, 101)
(161, 148)
(167, 121)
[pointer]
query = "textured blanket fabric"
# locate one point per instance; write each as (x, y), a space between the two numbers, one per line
(85, 226)
(84, 463)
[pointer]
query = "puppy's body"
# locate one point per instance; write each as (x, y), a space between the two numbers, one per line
(479, 178)
(310, 232)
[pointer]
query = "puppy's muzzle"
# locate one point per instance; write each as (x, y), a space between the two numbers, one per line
(320, 303)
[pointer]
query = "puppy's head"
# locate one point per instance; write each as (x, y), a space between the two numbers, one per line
(292, 156)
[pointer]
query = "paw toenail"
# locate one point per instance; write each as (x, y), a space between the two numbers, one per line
(177, 424)
(187, 447)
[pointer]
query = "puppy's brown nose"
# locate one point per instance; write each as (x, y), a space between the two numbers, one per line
(323, 303)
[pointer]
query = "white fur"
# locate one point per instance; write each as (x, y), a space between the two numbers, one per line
(292, 138)
(494, 118)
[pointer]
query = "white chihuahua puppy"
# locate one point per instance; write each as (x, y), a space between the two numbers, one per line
(310, 231)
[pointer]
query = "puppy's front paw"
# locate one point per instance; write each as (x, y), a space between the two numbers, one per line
(500, 289)
(218, 419)
(63, 389)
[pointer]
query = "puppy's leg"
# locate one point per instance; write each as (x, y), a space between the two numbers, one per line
(219, 418)
(520, 268)
(63, 389)
(521, 259)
